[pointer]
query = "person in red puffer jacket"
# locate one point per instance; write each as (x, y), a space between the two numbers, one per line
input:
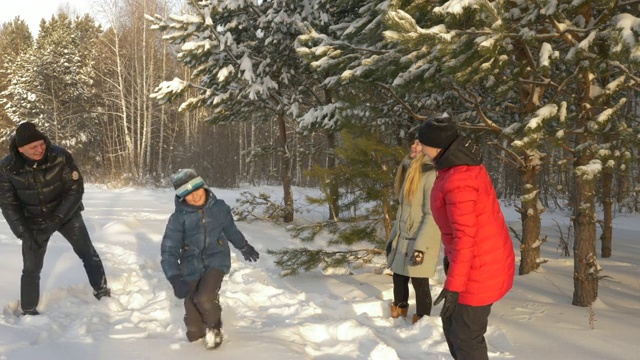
(479, 260)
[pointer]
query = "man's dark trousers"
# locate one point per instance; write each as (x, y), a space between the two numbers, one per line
(75, 231)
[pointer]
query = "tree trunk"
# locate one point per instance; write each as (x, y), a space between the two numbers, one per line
(607, 207)
(252, 144)
(285, 167)
(585, 278)
(334, 191)
(530, 214)
(129, 150)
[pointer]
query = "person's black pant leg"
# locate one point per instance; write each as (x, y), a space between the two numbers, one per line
(207, 298)
(400, 289)
(75, 231)
(32, 262)
(423, 296)
(464, 331)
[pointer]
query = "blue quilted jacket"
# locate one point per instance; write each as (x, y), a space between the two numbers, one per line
(197, 239)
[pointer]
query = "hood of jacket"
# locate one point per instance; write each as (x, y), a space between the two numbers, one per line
(462, 151)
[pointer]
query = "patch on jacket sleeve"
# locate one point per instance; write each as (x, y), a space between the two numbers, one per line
(75, 175)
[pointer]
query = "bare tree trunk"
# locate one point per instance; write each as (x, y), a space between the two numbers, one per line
(607, 208)
(298, 158)
(160, 146)
(131, 168)
(138, 100)
(285, 167)
(334, 190)
(252, 144)
(530, 215)
(146, 108)
(586, 268)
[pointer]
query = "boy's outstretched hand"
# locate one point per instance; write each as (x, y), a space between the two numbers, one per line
(250, 254)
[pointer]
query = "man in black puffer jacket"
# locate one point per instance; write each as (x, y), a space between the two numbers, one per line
(40, 193)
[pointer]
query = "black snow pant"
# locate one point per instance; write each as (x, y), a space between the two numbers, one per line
(420, 286)
(202, 305)
(75, 231)
(464, 331)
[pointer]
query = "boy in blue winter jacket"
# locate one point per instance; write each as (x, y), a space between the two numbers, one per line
(195, 254)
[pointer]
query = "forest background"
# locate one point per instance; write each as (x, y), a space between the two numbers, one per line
(328, 94)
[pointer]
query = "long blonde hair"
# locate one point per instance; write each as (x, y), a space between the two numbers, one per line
(412, 182)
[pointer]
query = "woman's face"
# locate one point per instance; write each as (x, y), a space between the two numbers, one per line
(197, 198)
(416, 148)
(430, 152)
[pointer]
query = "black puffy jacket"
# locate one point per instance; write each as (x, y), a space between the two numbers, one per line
(32, 192)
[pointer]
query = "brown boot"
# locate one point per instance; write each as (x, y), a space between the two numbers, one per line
(416, 318)
(401, 310)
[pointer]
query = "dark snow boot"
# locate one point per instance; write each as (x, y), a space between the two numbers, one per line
(31, 312)
(212, 338)
(102, 292)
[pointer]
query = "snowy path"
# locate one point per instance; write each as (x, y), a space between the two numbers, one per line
(261, 311)
(311, 316)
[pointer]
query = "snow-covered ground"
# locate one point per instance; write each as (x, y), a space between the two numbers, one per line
(312, 316)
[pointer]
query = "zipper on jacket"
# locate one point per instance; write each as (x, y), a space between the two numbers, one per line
(204, 240)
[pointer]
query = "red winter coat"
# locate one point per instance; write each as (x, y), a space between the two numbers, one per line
(474, 233)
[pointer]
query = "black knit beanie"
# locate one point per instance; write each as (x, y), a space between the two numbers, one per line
(26, 133)
(438, 132)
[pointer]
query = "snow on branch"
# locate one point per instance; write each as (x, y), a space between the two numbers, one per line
(455, 6)
(590, 171)
(324, 116)
(604, 116)
(168, 89)
(409, 29)
(546, 112)
(246, 65)
(630, 28)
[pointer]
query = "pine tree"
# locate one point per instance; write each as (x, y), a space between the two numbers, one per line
(364, 174)
(15, 39)
(245, 65)
(357, 89)
(530, 71)
(52, 83)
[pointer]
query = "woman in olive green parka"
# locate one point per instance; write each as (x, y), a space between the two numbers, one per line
(414, 243)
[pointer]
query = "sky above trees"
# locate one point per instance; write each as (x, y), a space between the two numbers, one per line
(34, 11)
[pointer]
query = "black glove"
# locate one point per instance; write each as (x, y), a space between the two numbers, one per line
(417, 258)
(389, 247)
(181, 287)
(450, 302)
(249, 253)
